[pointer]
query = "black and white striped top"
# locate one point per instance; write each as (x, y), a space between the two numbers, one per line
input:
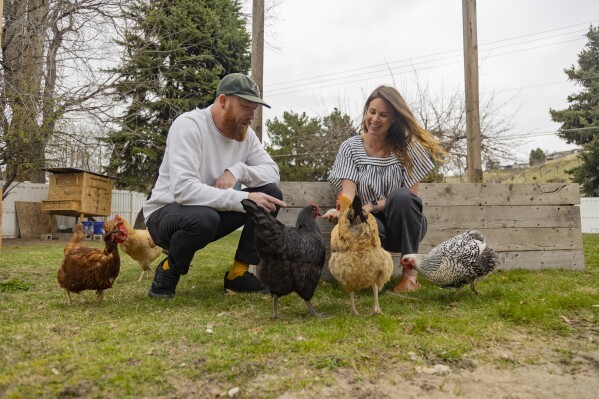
(376, 177)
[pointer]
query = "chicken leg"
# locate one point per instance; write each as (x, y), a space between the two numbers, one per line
(144, 273)
(68, 297)
(473, 286)
(353, 303)
(377, 308)
(275, 305)
(313, 311)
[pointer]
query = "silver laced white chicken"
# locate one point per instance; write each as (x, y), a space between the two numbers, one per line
(463, 259)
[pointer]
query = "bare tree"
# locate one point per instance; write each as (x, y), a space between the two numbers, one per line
(445, 116)
(53, 56)
(78, 146)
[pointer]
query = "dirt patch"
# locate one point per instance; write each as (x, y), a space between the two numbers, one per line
(550, 380)
(522, 369)
(485, 381)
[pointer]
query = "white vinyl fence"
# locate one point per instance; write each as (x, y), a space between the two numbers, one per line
(589, 214)
(125, 203)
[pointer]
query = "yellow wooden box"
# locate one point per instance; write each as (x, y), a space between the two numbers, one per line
(77, 192)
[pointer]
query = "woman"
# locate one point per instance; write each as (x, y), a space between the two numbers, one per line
(384, 166)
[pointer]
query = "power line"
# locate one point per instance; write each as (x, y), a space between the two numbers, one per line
(536, 40)
(546, 31)
(411, 65)
(539, 134)
(398, 73)
(270, 87)
(358, 80)
(390, 69)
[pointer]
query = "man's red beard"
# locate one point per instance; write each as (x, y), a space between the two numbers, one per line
(233, 128)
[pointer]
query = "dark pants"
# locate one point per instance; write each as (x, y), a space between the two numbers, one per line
(183, 230)
(402, 225)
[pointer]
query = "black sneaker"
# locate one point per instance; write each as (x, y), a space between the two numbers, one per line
(245, 283)
(165, 282)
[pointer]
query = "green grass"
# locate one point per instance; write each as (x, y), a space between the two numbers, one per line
(131, 346)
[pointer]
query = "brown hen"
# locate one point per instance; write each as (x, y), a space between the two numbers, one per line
(85, 268)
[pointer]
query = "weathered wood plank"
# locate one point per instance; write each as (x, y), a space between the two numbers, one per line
(514, 239)
(506, 240)
(537, 260)
(444, 194)
(298, 194)
(468, 217)
(536, 239)
(495, 216)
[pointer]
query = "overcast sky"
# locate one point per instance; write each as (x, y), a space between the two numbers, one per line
(332, 53)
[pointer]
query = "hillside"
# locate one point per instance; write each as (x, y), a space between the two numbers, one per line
(548, 172)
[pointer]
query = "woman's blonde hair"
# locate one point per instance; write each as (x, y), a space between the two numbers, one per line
(404, 128)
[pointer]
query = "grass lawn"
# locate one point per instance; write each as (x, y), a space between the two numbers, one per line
(202, 343)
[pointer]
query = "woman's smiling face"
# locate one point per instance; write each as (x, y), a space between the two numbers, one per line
(379, 116)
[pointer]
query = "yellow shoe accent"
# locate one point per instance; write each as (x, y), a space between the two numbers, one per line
(165, 265)
(237, 270)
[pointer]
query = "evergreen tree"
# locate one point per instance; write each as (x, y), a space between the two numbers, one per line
(536, 156)
(580, 120)
(289, 140)
(176, 52)
(588, 173)
(305, 148)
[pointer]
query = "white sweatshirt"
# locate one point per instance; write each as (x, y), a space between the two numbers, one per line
(197, 154)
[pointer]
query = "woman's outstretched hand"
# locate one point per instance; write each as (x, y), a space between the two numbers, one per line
(332, 215)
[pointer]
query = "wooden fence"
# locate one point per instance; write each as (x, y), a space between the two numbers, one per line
(531, 226)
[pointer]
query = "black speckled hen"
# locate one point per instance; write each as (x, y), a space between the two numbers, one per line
(463, 259)
(291, 258)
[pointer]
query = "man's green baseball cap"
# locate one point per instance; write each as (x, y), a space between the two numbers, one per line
(241, 86)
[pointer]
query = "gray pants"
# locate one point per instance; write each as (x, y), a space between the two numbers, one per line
(402, 225)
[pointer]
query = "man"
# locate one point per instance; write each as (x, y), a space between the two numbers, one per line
(208, 153)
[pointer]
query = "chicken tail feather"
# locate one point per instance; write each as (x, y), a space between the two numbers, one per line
(488, 260)
(259, 215)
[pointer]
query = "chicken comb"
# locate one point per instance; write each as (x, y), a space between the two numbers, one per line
(316, 210)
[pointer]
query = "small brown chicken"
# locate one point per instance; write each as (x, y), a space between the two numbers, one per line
(357, 259)
(139, 246)
(85, 268)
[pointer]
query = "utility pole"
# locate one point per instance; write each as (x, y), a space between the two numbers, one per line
(257, 58)
(475, 171)
(1, 13)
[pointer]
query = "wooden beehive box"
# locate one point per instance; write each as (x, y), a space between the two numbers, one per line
(75, 192)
